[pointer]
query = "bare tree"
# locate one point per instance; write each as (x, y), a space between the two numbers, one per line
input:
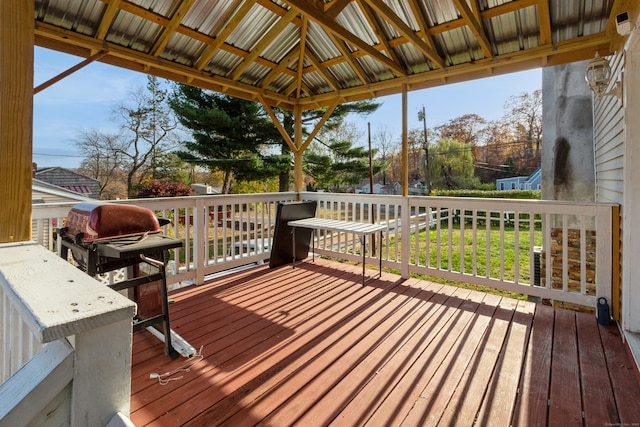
(102, 156)
(146, 122)
(524, 113)
(387, 147)
(464, 129)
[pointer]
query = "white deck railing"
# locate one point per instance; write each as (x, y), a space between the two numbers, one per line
(556, 250)
(54, 323)
(65, 340)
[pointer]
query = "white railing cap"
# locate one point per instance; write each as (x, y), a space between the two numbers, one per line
(56, 299)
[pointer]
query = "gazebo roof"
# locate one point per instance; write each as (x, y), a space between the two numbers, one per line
(308, 53)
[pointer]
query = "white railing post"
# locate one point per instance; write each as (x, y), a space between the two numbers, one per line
(102, 374)
(200, 218)
(604, 252)
(405, 231)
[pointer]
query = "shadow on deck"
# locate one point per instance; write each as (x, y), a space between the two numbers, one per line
(312, 346)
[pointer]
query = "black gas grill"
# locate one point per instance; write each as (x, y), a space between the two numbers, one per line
(107, 237)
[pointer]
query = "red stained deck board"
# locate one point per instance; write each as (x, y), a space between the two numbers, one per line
(436, 395)
(403, 396)
(596, 386)
(465, 403)
(222, 363)
(358, 410)
(497, 407)
(312, 346)
(533, 399)
(623, 374)
(565, 406)
(334, 361)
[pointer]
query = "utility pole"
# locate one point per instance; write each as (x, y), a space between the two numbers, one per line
(422, 116)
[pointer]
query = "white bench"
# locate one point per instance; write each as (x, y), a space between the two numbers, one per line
(360, 229)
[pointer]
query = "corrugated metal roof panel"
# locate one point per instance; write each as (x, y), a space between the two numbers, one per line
(223, 63)
(255, 24)
(344, 75)
(282, 44)
(138, 24)
(133, 32)
(320, 43)
(354, 21)
(208, 15)
(182, 49)
(81, 16)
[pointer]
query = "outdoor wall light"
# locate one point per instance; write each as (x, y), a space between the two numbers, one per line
(598, 76)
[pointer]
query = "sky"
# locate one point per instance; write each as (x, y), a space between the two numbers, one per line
(85, 100)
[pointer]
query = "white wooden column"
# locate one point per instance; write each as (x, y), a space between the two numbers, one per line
(16, 118)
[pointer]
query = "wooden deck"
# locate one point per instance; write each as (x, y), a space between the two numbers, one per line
(312, 346)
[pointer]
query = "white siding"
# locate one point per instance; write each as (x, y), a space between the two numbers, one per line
(608, 128)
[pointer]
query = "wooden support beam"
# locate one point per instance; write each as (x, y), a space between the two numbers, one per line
(298, 176)
(375, 25)
(327, 114)
(68, 72)
(16, 118)
(107, 18)
(405, 144)
(277, 123)
(303, 45)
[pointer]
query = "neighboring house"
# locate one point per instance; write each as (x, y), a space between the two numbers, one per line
(44, 193)
(70, 180)
(395, 188)
(531, 182)
(416, 188)
(377, 189)
(204, 189)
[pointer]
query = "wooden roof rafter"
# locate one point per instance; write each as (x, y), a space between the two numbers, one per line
(355, 65)
(333, 8)
(389, 15)
(228, 28)
(375, 26)
(340, 32)
(264, 42)
(171, 27)
(423, 31)
(349, 49)
(283, 64)
(107, 18)
(322, 70)
(474, 26)
(303, 49)
(544, 22)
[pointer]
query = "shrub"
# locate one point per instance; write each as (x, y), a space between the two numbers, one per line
(164, 189)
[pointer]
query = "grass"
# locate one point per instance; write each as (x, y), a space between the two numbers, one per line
(457, 254)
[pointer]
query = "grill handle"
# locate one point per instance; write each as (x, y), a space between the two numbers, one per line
(151, 261)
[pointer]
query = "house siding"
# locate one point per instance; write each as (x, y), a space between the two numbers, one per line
(609, 151)
(608, 129)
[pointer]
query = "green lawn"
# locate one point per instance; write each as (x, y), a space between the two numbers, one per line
(495, 256)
